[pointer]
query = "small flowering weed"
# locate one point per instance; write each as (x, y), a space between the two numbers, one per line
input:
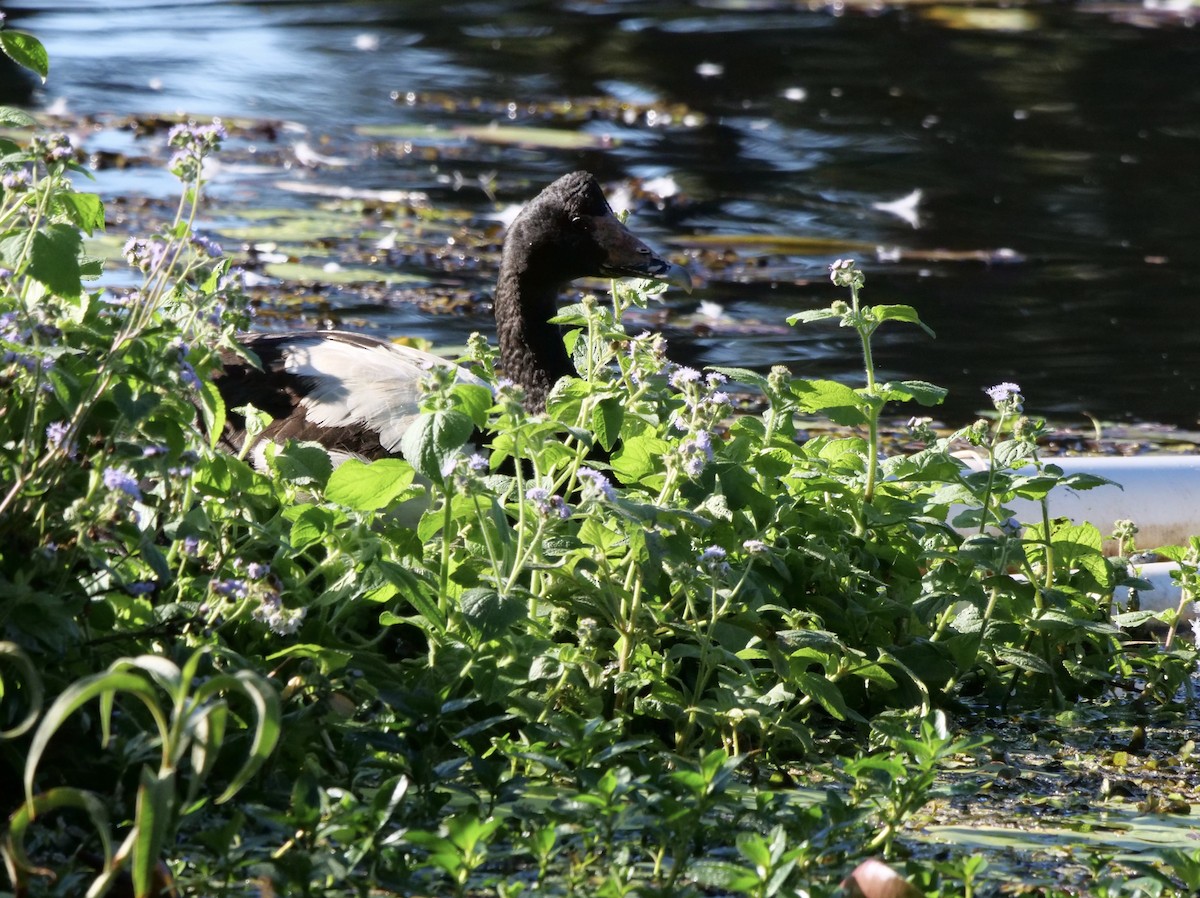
(614, 602)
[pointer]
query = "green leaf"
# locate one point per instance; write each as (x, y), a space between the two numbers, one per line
(369, 487)
(838, 402)
(266, 731)
(1023, 659)
(919, 390)
(76, 696)
(152, 821)
(640, 456)
(826, 694)
(1011, 454)
(743, 375)
(489, 612)
(434, 438)
(52, 800)
(303, 463)
(31, 682)
(11, 117)
(212, 409)
(26, 51)
(607, 418)
(475, 400)
(901, 313)
(813, 315)
(309, 527)
(54, 258)
(86, 210)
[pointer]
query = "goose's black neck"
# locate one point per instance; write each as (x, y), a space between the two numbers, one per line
(566, 232)
(532, 353)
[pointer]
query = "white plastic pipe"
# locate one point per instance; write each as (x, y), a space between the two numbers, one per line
(1159, 493)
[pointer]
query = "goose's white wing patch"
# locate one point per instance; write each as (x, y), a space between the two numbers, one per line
(376, 386)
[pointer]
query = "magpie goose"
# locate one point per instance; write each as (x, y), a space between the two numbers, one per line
(356, 395)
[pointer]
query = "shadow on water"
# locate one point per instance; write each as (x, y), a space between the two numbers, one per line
(1055, 147)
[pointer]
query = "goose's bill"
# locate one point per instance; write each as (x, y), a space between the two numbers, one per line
(626, 256)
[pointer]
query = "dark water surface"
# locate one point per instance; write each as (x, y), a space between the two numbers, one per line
(1059, 144)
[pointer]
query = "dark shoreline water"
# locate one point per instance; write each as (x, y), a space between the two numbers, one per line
(1066, 134)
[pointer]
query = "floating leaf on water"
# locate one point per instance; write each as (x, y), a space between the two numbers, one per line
(540, 138)
(567, 109)
(973, 18)
(295, 226)
(504, 135)
(790, 243)
(300, 271)
(345, 192)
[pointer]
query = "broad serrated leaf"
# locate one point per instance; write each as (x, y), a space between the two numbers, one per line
(309, 527)
(434, 438)
(640, 456)
(813, 315)
(901, 313)
(489, 612)
(11, 117)
(303, 463)
(607, 418)
(1022, 659)
(86, 210)
(838, 402)
(26, 51)
(54, 259)
(914, 390)
(1013, 453)
(368, 487)
(474, 399)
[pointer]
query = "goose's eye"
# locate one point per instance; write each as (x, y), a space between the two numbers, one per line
(579, 223)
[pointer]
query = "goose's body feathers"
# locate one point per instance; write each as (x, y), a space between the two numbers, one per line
(354, 394)
(357, 395)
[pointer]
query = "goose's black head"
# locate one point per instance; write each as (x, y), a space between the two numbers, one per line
(569, 231)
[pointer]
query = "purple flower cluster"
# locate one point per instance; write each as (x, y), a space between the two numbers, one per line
(186, 372)
(145, 255)
(713, 559)
(121, 480)
(547, 504)
(596, 485)
(15, 335)
(57, 437)
(231, 588)
(1005, 394)
(697, 451)
(256, 570)
(53, 147)
(845, 273)
(704, 405)
(648, 357)
(187, 458)
(281, 621)
(206, 245)
(15, 181)
(682, 376)
(192, 143)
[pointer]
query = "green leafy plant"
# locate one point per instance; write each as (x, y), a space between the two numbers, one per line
(607, 650)
(191, 724)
